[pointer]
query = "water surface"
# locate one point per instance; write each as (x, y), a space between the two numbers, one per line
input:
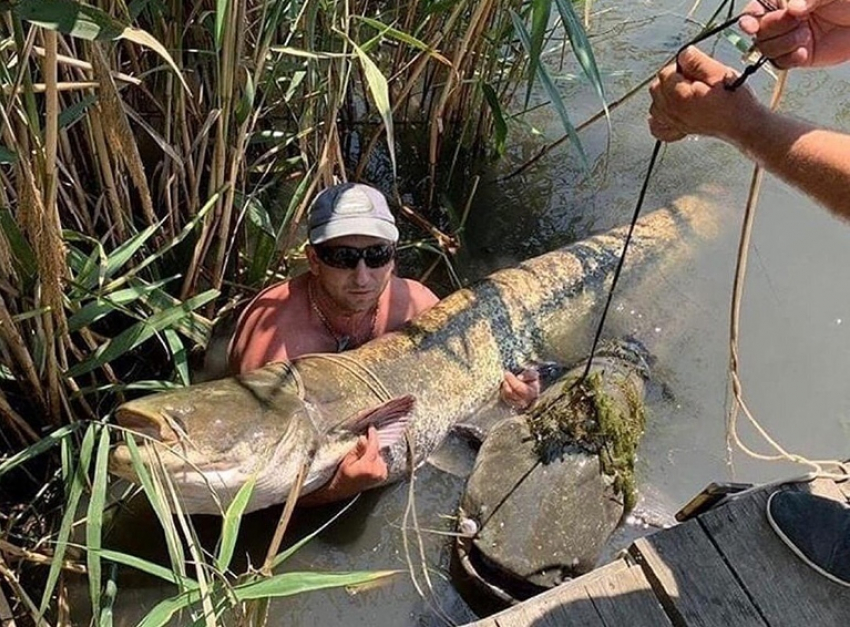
(794, 333)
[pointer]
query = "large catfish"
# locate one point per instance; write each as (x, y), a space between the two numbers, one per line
(212, 437)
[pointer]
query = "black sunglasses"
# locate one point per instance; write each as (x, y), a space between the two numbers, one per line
(348, 257)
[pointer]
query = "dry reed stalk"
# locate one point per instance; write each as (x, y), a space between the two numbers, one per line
(25, 433)
(119, 131)
(445, 103)
(419, 65)
(40, 225)
(102, 158)
(40, 88)
(85, 65)
(22, 595)
(13, 342)
(78, 206)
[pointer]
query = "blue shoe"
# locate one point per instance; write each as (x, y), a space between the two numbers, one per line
(817, 529)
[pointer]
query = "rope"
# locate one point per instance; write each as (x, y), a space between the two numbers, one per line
(738, 402)
(363, 373)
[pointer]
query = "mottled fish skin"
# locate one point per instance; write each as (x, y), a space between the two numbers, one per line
(451, 359)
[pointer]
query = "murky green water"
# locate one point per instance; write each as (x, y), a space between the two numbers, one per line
(795, 324)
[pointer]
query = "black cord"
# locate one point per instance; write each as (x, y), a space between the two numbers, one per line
(731, 86)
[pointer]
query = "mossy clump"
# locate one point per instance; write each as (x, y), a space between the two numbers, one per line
(602, 413)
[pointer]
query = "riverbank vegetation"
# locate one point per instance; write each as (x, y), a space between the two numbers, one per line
(156, 160)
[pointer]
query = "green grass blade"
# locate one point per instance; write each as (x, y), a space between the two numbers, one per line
(540, 12)
(44, 444)
(139, 333)
(110, 591)
(551, 90)
(155, 256)
(94, 274)
(70, 18)
(221, 7)
(381, 95)
(230, 524)
(582, 48)
(179, 356)
(500, 127)
(94, 519)
(406, 38)
(109, 303)
(164, 611)
(288, 584)
(159, 504)
(150, 568)
(145, 386)
(78, 483)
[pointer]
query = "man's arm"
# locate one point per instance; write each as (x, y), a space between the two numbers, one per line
(695, 101)
(361, 469)
(806, 33)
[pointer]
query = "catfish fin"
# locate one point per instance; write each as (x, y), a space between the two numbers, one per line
(390, 419)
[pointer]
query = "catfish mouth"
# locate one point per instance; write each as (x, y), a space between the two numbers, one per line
(160, 439)
(165, 426)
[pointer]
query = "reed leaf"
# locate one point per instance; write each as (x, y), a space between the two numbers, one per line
(44, 444)
(145, 566)
(540, 13)
(118, 300)
(7, 157)
(165, 610)
(231, 522)
(78, 481)
(139, 333)
(94, 519)
(377, 83)
(582, 48)
(178, 355)
(89, 279)
(160, 507)
(500, 130)
(71, 18)
(22, 252)
(288, 584)
(551, 91)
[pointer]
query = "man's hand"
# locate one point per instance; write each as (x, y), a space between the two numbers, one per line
(692, 99)
(520, 391)
(361, 469)
(807, 33)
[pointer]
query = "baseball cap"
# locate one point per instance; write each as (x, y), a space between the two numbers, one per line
(350, 209)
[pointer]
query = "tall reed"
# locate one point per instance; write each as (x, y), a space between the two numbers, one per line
(156, 160)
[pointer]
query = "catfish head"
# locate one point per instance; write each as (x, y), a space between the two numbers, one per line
(211, 438)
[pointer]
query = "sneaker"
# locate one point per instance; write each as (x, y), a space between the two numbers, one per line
(817, 529)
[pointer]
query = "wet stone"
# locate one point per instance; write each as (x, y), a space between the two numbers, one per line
(539, 523)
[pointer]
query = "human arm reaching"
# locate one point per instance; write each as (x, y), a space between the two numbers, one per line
(806, 33)
(695, 101)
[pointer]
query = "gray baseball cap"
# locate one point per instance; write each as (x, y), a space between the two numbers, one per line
(350, 209)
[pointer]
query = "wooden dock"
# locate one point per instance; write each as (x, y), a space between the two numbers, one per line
(725, 568)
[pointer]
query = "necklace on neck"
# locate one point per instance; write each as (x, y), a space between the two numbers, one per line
(343, 342)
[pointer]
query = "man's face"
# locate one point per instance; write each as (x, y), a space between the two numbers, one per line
(352, 290)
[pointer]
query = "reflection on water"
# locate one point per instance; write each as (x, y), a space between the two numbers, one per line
(795, 326)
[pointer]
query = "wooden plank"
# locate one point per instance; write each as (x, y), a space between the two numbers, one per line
(627, 598)
(568, 605)
(691, 579)
(785, 590)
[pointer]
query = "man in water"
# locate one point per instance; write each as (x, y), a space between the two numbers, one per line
(693, 99)
(349, 296)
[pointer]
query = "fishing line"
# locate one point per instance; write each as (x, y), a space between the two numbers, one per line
(731, 86)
